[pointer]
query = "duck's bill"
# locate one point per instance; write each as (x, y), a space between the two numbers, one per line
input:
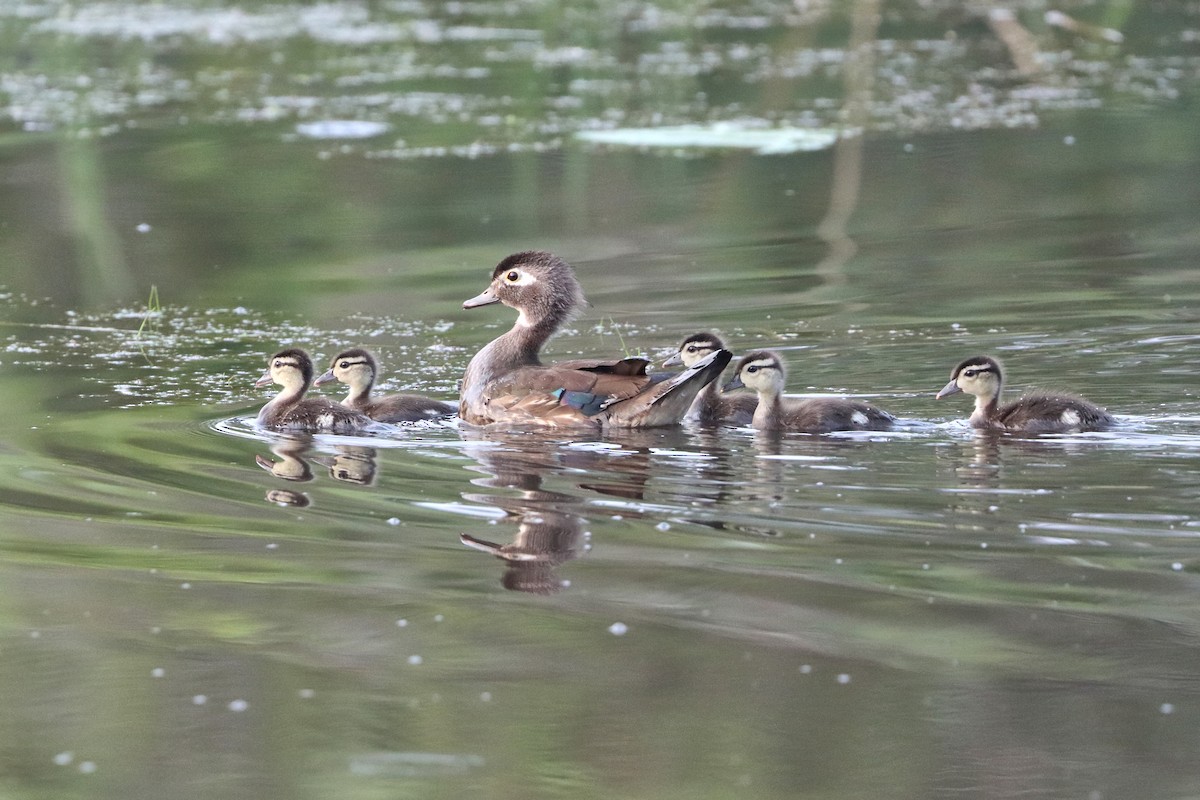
(949, 389)
(673, 361)
(485, 299)
(325, 377)
(265, 380)
(736, 383)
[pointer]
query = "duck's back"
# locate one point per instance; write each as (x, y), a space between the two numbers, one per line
(1050, 412)
(313, 414)
(405, 408)
(824, 415)
(712, 407)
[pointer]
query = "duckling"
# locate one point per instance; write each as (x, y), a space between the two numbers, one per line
(1034, 412)
(711, 406)
(357, 368)
(763, 371)
(507, 382)
(290, 411)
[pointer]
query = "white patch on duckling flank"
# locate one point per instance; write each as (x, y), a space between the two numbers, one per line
(859, 418)
(325, 420)
(1070, 418)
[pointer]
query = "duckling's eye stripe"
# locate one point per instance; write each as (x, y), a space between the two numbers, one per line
(345, 364)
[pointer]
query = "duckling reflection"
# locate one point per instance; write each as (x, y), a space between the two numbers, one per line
(351, 464)
(286, 497)
(291, 466)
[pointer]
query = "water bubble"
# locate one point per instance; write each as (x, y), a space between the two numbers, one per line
(663, 526)
(1177, 566)
(806, 669)
(618, 629)
(401, 623)
(393, 521)
(199, 699)
(143, 227)
(157, 672)
(415, 660)
(64, 758)
(238, 705)
(438, 617)
(1167, 708)
(485, 697)
(306, 694)
(87, 767)
(843, 678)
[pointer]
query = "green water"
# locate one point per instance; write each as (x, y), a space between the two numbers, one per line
(680, 613)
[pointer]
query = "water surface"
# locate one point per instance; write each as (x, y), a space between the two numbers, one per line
(194, 607)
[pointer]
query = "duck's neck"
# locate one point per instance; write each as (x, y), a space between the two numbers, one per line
(987, 408)
(288, 396)
(359, 395)
(708, 401)
(517, 348)
(768, 411)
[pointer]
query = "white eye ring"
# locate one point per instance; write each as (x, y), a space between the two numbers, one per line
(518, 277)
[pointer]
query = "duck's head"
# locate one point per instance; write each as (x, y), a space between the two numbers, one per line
(539, 285)
(761, 371)
(694, 348)
(291, 368)
(978, 375)
(354, 367)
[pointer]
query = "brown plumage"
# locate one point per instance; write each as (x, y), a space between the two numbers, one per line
(357, 368)
(763, 371)
(291, 411)
(507, 382)
(712, 406)
(1033, 412)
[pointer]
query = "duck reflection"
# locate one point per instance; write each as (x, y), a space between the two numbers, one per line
(548, 533)
(291, 466)
(550, 524)
(293, 459)
(351, 464)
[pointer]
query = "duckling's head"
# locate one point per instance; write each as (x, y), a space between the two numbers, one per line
(762, 371)
(355, 367)
(539, 285)
(977, 375)
(694, 348)
(291, 368)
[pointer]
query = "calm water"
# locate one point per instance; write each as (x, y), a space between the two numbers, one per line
(193, 608)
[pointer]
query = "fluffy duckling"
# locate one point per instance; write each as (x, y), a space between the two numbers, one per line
(291, 411)
(763, 371)
(1034, 412)
(711, 406)
(357, 368)
(506, 382)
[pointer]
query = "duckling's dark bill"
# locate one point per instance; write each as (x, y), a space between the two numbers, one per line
(947, 390)
(484, 299)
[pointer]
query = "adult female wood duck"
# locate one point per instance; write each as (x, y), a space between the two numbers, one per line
(291, 411)
(357, 368)
(712, 406)
(507, 382)
(763, 371)
(1033, 412)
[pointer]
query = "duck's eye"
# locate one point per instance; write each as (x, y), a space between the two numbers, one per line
(752, 368)
(691, 348)
(970, 373)
(344, 365)
(513, 276)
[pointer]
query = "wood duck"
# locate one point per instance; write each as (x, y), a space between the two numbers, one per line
(1034, 412)
(357, 368)
(507, 382)
(763, 371)
(291, 411)
(711, 406)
